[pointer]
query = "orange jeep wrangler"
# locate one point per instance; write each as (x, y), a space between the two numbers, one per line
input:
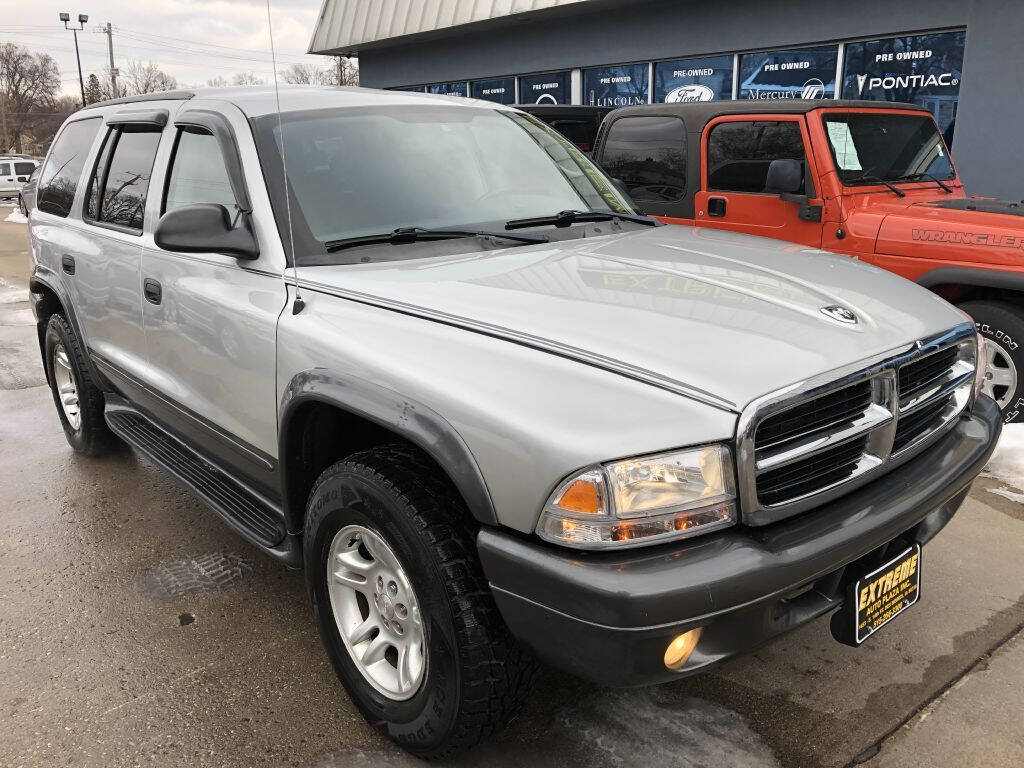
(867, 179)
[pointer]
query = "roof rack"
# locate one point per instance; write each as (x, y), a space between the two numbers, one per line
(158, 96)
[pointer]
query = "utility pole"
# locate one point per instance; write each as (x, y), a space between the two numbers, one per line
(110, 49)
(3, 121)
(82, 18)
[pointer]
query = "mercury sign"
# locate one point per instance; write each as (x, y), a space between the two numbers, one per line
(699, 79)
(796, 73)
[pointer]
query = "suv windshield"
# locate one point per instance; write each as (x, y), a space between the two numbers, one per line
(869, 148)
(356, 172)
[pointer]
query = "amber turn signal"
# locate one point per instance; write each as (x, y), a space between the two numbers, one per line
(681, 647)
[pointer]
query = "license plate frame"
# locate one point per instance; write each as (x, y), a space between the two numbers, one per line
(871, 603)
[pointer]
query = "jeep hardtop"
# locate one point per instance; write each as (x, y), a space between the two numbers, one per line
(864, 178)
(423, 349)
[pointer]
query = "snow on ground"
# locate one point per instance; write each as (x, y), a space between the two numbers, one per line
(15, 217)
(1007, 463)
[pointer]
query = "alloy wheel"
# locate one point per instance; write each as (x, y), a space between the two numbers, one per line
(376, 612)
(67, 390)
(1000, 374)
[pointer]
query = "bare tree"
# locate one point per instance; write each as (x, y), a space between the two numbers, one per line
(146, 77)
(246, 78)
(217, 82)
(307, 74)
(346, 71)
(29, 83)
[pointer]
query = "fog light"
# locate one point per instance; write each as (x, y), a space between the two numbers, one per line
(679, 650)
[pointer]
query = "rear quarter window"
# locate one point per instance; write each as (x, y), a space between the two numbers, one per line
(648, 155)
(59, 179)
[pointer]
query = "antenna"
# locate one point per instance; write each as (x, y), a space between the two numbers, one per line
(298, 305)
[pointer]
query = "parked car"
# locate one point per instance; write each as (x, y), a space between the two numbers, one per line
(14, 173)
(27, 193)
(873, 181)
(578, 123)
(492, 413)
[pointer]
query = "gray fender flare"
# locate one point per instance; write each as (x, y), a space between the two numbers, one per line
(44, 277)
(982, 278)
(412, 420)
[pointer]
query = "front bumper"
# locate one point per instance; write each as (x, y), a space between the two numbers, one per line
(608, 617)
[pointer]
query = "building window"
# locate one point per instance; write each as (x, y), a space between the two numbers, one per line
(460, 88)
(499, 89)
(698, 79)
(922, 69)
(796, 73)
(739, 153)
(546, 88)
(648, 155)
(623, 85)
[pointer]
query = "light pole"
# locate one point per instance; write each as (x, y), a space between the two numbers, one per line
(82, 18)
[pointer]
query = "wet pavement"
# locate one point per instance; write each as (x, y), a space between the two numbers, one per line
(136, 629)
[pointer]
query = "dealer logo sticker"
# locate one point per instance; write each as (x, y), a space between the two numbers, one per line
(688, 93)
(839, 314)
(813, 89)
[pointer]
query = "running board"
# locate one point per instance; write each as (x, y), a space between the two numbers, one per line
(250, 514)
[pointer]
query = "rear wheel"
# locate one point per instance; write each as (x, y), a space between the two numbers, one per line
(79, 401)
(403, 607)
(1002, 325)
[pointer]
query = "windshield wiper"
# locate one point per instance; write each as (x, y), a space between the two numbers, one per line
(912, 176)
(567, 218)
(404, 235)
(875, 180)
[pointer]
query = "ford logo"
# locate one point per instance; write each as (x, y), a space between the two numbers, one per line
(839, 314)
(689, 93)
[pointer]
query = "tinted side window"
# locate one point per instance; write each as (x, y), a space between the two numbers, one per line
(124, 178)
(648, 154)
(23, 169)
(739, 153)
(59, 179)
(5, 169)
(198, 174)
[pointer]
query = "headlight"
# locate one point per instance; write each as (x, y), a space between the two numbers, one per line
(642, 501)
(981, 366)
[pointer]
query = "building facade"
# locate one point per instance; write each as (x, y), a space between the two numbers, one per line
(962, 59)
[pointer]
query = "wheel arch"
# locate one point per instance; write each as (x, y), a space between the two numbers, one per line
(49, 298)
(351, 414)
(961, 284)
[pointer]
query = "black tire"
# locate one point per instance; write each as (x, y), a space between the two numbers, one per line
(476, 675)
(1002, 324)
(92, 437)
(21, 206)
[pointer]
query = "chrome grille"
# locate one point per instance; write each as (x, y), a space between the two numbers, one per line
(796, 451)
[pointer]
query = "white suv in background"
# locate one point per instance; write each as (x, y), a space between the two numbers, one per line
(14, 172)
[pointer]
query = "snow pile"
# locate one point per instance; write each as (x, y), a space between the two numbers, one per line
(16, 217)
(1007, 463)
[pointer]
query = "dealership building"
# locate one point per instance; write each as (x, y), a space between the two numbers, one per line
(962, 59)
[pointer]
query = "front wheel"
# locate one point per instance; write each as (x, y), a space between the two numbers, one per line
(403, 607)
(1002, 325)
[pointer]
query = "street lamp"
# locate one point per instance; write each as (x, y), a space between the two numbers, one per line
(82, 19)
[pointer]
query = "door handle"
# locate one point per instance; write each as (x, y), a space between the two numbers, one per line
(716, 206)
(67, 263)
(152, 290)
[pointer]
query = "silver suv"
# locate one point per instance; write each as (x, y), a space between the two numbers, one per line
(425, 350)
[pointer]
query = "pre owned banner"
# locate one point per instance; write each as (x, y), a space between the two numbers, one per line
(624, 85)
(796, 73)
(546, 88)
(460, 88)
(698, 79)
(499, 89)
(922, 69)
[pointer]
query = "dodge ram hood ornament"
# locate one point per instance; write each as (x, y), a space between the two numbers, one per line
(839, 314)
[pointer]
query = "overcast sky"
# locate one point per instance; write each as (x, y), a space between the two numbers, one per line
(192, 40)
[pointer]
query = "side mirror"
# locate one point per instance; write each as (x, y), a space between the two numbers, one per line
(23, 178)
(206, 228)
(785, 177)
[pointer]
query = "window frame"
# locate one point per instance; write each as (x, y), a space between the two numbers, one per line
(118, 129)
(41, 189)
(800, 119)
(603, 140)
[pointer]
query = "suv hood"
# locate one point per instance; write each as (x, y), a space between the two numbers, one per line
(720, 316)
(957, 229)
